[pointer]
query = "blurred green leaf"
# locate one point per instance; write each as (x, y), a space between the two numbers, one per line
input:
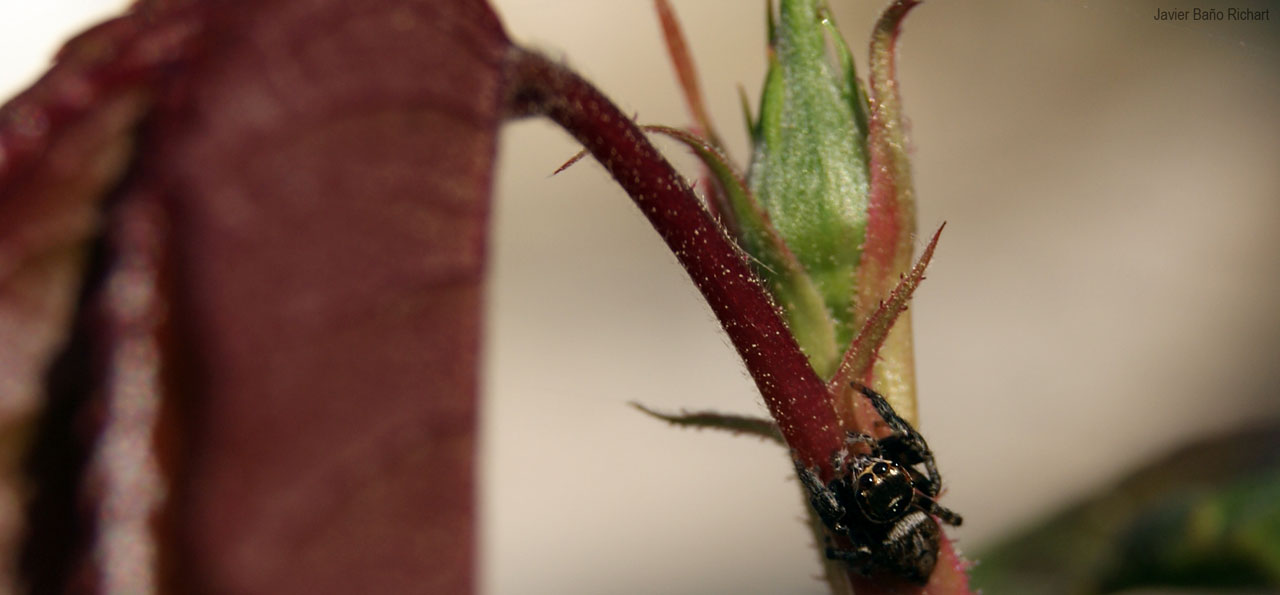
(1206, 516)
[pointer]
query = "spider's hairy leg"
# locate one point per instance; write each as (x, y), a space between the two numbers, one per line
(891, 417)
(908, 440)
(945, 515)
(821, 497)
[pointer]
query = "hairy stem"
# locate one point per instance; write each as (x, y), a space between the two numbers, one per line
(796, 396)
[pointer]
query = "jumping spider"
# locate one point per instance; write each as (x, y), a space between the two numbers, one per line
(881, 503)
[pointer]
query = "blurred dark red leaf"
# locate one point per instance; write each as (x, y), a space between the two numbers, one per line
(302, 223)
(329, 167)
(64, 145)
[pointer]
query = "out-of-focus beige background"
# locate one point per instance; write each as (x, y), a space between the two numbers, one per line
(1107, 286)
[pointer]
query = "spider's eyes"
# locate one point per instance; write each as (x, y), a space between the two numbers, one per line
(884, 492)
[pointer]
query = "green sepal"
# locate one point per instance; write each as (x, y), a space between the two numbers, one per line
(809, 169)
(771, 25)
(871, 338)
(770, 115)
(753, 131)
(854, 93)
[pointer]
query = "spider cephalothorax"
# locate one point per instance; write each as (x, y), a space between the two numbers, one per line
(880, 503)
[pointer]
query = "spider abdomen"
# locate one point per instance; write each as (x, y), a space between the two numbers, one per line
(910, 549)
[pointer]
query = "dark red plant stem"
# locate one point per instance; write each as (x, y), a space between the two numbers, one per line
(796, 397)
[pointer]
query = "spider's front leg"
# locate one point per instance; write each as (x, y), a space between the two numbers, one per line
(821, 497)
(891, 417)
(905, 442)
